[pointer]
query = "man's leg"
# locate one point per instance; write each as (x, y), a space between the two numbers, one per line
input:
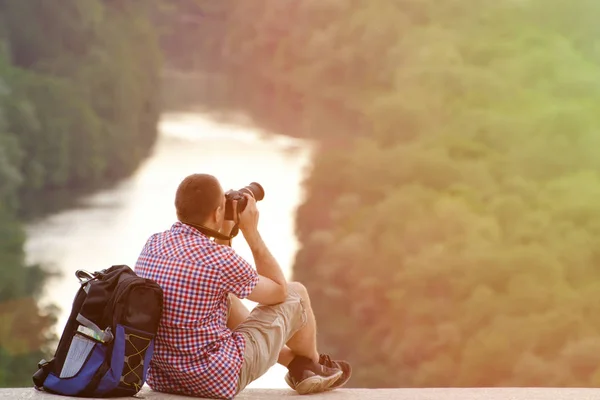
(304, 342)
(267, 329)
(238, 313)
(306, 338)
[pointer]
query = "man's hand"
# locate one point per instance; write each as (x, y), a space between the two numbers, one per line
(248, 219)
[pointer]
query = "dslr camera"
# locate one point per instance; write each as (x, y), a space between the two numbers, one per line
(254, 189)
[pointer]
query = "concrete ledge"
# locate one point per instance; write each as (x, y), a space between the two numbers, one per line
(356, 394)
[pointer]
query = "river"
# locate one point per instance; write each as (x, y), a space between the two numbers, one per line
(111, 226)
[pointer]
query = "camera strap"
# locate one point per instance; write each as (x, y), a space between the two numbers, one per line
(214, 234)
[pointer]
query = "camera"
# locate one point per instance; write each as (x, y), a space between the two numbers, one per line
(254, 189)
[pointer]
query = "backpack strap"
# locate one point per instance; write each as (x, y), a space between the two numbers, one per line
(42, 373)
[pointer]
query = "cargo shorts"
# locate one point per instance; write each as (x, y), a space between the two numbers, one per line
(266, 330)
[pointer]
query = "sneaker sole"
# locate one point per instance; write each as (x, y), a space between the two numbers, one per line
(317, 384)
(288, 380)
(335, 385)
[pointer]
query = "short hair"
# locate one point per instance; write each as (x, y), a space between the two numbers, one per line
(197, 196)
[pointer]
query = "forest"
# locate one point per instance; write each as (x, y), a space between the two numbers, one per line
(79, 104)
(450, 235)
(451, 230)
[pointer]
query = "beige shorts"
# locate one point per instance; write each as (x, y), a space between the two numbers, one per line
(266, 330)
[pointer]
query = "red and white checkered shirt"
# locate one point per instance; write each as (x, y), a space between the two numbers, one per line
(194, 352)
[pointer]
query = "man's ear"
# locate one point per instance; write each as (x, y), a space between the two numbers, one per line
(217, 213)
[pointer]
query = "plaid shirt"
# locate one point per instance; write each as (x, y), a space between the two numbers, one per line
(195, 353)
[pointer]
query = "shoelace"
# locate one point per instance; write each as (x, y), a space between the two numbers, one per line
(324, 359)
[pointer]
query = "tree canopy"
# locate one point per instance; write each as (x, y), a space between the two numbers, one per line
(451, 230)
(79, 104)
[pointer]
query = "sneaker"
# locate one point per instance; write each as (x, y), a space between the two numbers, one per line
(314, 378)
(326, 361)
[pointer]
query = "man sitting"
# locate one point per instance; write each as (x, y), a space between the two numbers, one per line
(208, 343)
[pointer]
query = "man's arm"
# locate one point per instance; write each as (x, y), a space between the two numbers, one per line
(272, 286)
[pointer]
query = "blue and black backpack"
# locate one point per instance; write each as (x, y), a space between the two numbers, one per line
(107, 343)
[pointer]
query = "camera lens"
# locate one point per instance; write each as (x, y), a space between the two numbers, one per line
(256, 189)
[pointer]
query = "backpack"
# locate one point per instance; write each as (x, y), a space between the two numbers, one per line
(108, 340)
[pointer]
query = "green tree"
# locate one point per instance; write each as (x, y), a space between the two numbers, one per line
(22, 340)
(79, 105)
(450, 230)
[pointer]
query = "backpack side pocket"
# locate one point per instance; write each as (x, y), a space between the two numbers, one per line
(84, 358)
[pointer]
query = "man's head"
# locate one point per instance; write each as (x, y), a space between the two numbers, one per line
(200, 200)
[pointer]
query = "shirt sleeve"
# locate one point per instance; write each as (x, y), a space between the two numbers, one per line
(237, 275)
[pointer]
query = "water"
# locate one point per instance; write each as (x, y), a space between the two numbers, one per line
(111, 226)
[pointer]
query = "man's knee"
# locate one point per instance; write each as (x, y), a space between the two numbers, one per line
(298, 299)
(298, 288)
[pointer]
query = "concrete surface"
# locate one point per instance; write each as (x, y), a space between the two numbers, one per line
(356, 394)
